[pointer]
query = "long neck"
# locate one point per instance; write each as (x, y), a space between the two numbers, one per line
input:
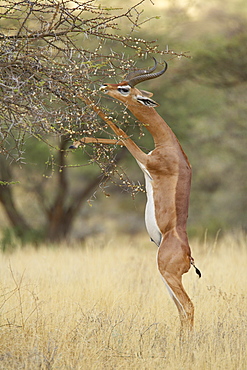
(154, 123)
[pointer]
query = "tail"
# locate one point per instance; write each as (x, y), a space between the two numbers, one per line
(193, 264)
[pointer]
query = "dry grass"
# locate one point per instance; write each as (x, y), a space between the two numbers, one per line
(104, 306)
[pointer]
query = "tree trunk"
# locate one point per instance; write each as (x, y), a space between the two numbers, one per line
(18, 222)
(61, 215)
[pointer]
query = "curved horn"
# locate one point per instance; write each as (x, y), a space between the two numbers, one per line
(144, 77)
(133, 74)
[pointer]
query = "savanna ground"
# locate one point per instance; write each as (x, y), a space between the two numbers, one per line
(102, 305)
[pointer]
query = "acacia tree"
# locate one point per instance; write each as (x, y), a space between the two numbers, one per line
(53, 56)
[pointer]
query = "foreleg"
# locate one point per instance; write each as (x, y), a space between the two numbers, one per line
(94, 140)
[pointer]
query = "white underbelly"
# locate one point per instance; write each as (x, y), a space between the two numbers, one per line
(150, 219)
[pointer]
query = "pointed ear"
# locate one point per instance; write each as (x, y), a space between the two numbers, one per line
(146, 93)
(146, 101)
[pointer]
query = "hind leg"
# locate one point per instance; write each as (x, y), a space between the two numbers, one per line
(173, 261)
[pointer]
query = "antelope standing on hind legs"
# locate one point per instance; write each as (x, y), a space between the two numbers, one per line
(167, 173)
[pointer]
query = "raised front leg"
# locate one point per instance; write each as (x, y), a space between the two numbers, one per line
(94, 140)
(134, 149)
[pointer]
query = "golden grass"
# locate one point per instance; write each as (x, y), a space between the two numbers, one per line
(103, 306)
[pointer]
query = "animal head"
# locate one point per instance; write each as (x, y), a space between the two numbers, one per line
(126, 91)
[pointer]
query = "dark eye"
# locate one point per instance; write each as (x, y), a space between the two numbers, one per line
(124, 89)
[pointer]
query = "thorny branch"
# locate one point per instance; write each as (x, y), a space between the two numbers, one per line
(53, 52)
